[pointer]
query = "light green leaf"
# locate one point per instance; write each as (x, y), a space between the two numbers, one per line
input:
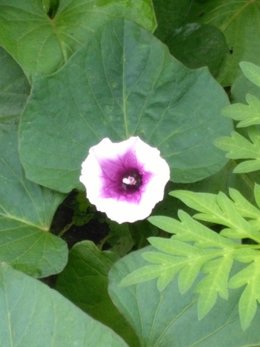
(123, 83)
(257, 194)
(249, 276)
(251, 71)
(239, 20)
(26, 212)
(41, 44)
(241, 87)
(246, 114)
(145, 273)
(160, 318)
(214, 283)
(84, 282)
(190, 230)
(32, 314)
(242, 205)
(219, 209)
(238, 147)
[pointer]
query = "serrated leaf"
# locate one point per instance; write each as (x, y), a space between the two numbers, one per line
(214, 283)
(243, 206)
(145, 273)
(125, 83)
(238, 147)
(257, 194)
(247, 115)
(219, 209)
(32, 314)
(41, 44)
(189, 274)
(160, 318)
(249, 276)
(251, 71)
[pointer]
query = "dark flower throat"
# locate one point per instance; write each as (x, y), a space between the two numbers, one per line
(131, 181)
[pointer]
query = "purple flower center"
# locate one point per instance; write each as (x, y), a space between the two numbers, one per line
(124, 178)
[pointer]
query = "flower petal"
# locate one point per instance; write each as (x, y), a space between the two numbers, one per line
(103, 176)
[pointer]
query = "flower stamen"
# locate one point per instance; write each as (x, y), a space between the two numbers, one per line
(131, 181)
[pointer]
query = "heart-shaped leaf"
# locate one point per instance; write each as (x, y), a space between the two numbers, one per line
(34, 315)
(123, 83)
(41, 42)
(164, 318)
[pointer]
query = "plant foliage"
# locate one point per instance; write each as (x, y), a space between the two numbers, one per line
(245, 145)
(195, 249)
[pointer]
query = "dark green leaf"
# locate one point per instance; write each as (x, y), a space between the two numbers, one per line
(84, 282)
(42, 44)
(197, 45)
(239, 20)
(124, 82)
(33, 315)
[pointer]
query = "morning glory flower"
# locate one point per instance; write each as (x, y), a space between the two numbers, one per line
(125, 179)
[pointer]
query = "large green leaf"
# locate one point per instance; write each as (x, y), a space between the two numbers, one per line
(124, 82)
(41, 44)
(169, 319)
(26, 212)
(26, 209)
(239, 20)
(84, 282)
(33, 315)
(14, 88)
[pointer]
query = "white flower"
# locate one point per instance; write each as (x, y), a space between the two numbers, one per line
(125, 179)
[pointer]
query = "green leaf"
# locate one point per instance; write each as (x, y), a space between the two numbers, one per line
(257, 194)
(197, 45)
(239, 147)
(26, 212)
(84, 282)
(209, 253)
(249, 276)
(239, 21)
(194, 44)
(125, 83)
(251, 71)
(14, 87)
(26, 209)
(247, 115)
(170, 16)
(241, 87)
(34, 315)
(160, 318)
(214, 283)
(41, 44)
(219, 209)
